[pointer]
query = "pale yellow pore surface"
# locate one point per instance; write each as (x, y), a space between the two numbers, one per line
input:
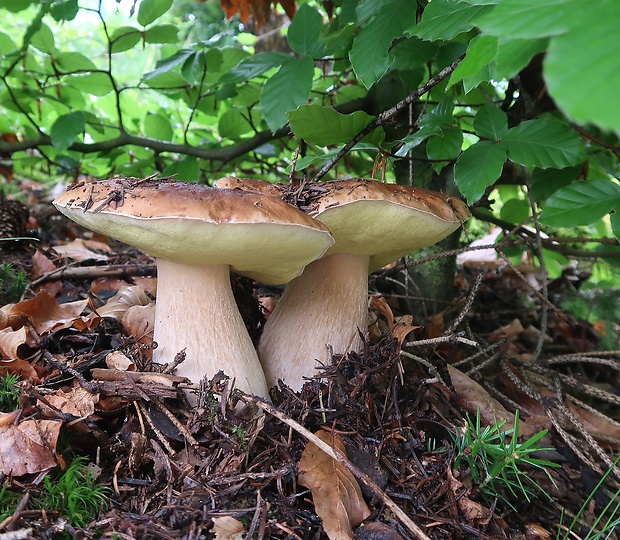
(196, 312)
(321, 312)
(198, 225)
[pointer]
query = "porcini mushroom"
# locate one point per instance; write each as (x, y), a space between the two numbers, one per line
(324, 310)
(197, 234)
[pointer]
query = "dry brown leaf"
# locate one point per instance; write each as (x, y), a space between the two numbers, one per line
(472, 510)
(28, 448)
(476, 397)
(596, 424)
(78, 402)
(46, 315)
(508, 332)
(41, 265)
(81, 250)
(399, 327)
(227, 528)
(259, 9)
(10, 341)
(23, 368)
(4, 316)
(337, 496)
(125, 298)
(117, 360)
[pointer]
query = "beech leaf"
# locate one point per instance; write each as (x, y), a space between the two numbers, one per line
(28, 448)
(337, 496)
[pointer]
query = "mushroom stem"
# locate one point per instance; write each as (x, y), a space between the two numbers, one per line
(321, 313)
(196, 311)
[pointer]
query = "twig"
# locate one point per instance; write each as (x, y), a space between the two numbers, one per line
(61, 366)
(385, 116)
(336, 455)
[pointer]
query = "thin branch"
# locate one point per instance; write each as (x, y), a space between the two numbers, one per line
(385, 116)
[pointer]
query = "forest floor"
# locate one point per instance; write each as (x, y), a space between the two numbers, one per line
(408, 466)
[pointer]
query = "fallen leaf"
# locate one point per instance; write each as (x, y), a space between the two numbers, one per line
(41, 265)
(508, 332)
(10, 341)
(81, 250)
(227, 528)
(337, 496)
(472, 510)
(117, 360)
(476, 398)
(29, 448)
(46, 315)
(125, 298)
(77, 401)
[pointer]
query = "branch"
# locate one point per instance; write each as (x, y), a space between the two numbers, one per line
(385, 116)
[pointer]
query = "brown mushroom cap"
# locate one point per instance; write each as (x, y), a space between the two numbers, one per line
(197, 225)
(367, 217)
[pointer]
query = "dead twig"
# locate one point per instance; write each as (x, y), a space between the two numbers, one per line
(334, 454)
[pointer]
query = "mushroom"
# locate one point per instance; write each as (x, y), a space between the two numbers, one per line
(323, 311)
(197, 234)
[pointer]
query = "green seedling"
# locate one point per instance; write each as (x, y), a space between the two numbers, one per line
(495, 459)
(10, 392)
(13, 282)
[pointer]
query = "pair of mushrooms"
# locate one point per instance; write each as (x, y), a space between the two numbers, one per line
(198, 234)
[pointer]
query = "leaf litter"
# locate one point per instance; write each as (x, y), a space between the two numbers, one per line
(89, 387)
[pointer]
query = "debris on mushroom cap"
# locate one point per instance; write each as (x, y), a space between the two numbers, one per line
(367, 217)
(198, 225)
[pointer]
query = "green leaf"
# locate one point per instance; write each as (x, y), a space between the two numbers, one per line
(515, 210)
(581, 203)
(547, 181)
(304, 32)
(7, 45)
(157, 126)
(97, 84)
(544, 143)
(529, 19)
(481, 51)
(445, 146)
(150, 10)
(124, 38)
(169, 63)
(615, 224)
(514, 54)
(235, 123)
(67, 62)
(442, 115)
(186, 169)
(324, 125)
(194, 66)
(65, 11)
(491, 123)
(369, 54)
(581, 79)
(43, 39)
(415, 139)
(478, 167)
(412, 52)
(255, 65)
(15, 6)
(162, 33)
(444, 19)
(66, 129)
(286, 90)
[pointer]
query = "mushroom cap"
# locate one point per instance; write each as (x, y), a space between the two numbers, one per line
(257, 236)
(367, 217)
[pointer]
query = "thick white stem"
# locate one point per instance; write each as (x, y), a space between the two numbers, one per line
(196, 311)
(321, 311)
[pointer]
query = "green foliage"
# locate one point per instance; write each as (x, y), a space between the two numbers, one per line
(174, 87)
(10, 392)
(495, 459)
(8, 502)
(13, 282)
(74, 494)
